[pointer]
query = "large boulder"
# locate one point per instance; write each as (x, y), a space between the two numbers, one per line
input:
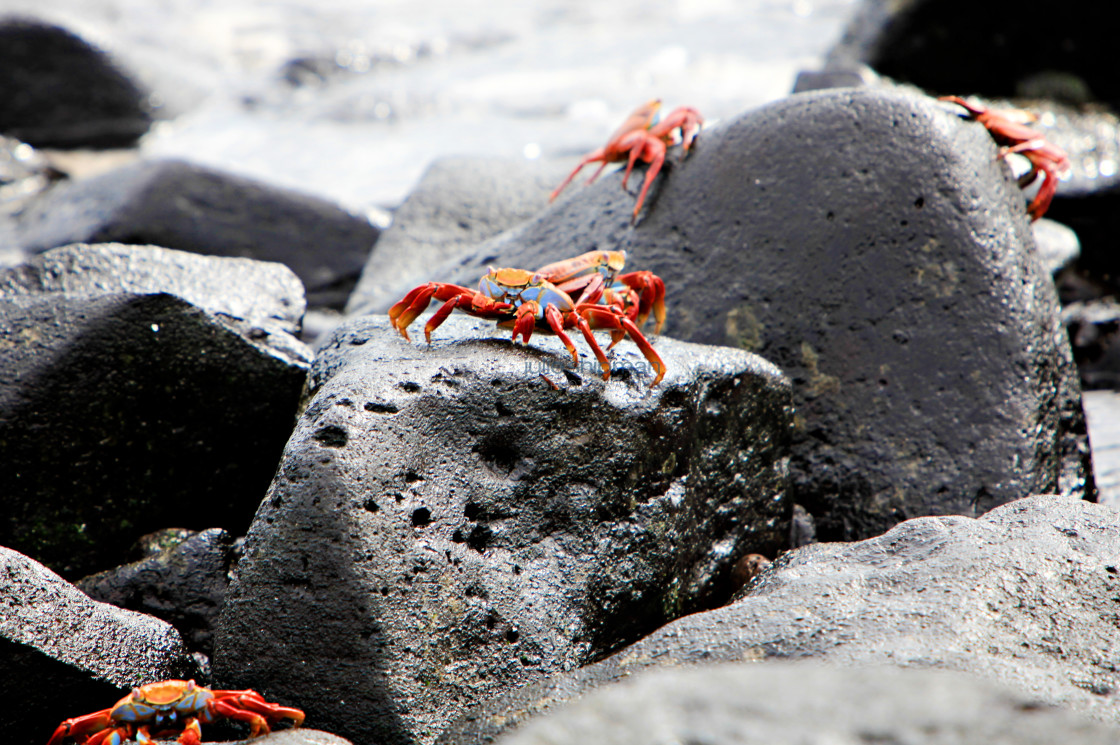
(64, 655)
(1024, 596)
(451, 521)
(130, 401)
(58, 91)
(783, 703)
(873, 246)
(178, 205)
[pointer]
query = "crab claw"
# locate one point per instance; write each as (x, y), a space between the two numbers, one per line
(651, 296)
(683, 118)
(602, 316)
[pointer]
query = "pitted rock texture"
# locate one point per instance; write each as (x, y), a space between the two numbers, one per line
(785, 703)
(446, 525)
(63, 654)
(125, 409)
(187, 207)
(873, 246)
(1025, 596)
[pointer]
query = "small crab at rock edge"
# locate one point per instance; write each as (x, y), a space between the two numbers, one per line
(586, 292)
(1009, 129)
(642, 137)
(172, 707)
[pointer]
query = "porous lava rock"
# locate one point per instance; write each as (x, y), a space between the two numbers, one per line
(1024, 596)
(129, 403)
(447, 524)
(872, 245)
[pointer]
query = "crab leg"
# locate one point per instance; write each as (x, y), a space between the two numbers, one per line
(684, 118)
(614, 151)
(403, 313)
(603, 316)
(653, 152)
(79, 726)
(556, 323)
(651, 296)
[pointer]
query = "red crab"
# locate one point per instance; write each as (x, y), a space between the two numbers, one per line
(1009, 129)
(585, 292)
(641, 137)
(171, 707)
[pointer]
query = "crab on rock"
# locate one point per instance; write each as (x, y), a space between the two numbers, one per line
(1009, 129)
(171, 707)
(586, 292)
(642, 137)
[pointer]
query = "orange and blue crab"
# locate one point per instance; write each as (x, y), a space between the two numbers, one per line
(1009, 129)
(586, 292)
(642, 137)
(172, 707)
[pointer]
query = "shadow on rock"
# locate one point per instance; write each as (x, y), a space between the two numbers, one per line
(447, 525)
(1024, 596)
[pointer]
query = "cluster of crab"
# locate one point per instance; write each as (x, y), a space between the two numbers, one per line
(588, 292)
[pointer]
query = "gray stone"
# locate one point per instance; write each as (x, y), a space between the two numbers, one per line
(458, 203)
(793, 703)
(1035, 50)
(264, 297)
(873, 246)
(58, 91)
(63, 654)
(1094, 333)
(1024, 596)
(126, 409)
(184, 585)
(1058, 246)
(178, 205)
(1102, 410)
(446, 525)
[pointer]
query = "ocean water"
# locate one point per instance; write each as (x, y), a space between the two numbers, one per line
(352, 99)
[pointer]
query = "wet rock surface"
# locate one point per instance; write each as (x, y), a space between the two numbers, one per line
(178, 205)
(58, 91)
(873, 246)
(785, 703)
(1024, 596)
(63, 654)
(103, 433)
(446, 525)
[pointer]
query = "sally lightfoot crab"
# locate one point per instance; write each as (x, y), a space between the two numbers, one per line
(172, 707)
(1009, 129)
(586, 292)
(642, 137)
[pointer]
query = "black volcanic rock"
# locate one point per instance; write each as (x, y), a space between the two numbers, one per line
(446, 524)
